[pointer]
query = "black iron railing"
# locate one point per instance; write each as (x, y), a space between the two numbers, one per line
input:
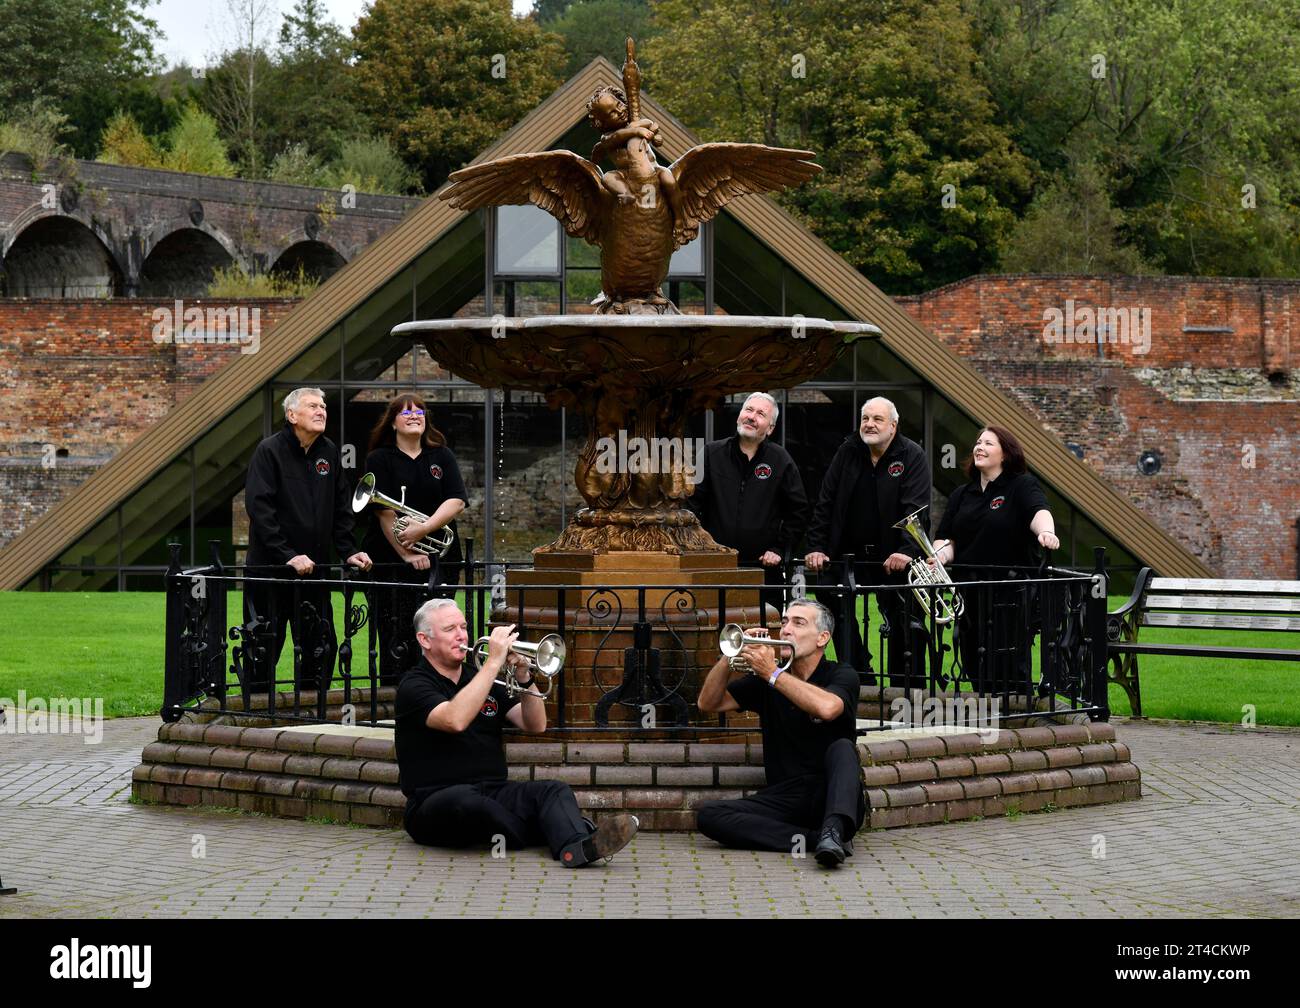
(1026, 647)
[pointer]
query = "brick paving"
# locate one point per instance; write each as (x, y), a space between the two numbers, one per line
(1217, 834)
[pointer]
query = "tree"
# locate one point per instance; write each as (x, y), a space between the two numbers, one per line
(369, 164)
(922, 182)
(546, 11)
(124, 143)
(296, 165)
(1181, 105)
(194, 145)
(36, 129)
(442, 79)
(233, 89)
(310, 78)
(592, 28)
(1071, 227)
(78, 55)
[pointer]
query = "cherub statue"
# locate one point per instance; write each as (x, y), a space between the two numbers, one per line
(637, 174)
(641, 212)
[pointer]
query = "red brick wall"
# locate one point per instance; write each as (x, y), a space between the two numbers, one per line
(1219, 407)
(87, 376)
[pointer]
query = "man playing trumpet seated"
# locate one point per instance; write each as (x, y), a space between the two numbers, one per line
(814, 795)
(451, 761)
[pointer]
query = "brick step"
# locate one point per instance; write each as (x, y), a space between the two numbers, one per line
(912, 776)
(209, 712)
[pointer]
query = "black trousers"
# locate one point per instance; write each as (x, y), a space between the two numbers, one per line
(302, 604)
(525, 813)
(392, 611)
(907, 641)
(776, 817)
(995, 637)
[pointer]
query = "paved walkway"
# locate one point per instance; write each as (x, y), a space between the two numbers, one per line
(1216, 835)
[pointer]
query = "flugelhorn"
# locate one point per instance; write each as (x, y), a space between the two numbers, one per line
(435, 543)
(733, 640)
(948, 604)
(545, 658)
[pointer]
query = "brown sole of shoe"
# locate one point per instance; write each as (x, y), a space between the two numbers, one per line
(614, 833)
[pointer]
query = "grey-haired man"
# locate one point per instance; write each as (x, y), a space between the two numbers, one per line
(448, 737)
(751, 496)
(814, 799)
(299, 506)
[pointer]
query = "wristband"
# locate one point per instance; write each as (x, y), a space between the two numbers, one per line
(775, 676)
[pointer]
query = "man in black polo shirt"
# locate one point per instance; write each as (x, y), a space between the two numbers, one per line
(876, 479)
(299, 505)
(751, 495)
(814, 790)
(451, 762)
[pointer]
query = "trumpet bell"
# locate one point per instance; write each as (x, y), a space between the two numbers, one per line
(733, 639)
(545, 658)
(547, 655)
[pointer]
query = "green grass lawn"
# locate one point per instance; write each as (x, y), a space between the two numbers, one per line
(110, 645)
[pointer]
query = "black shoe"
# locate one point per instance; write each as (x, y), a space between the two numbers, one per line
(832, 848)
(612, 835)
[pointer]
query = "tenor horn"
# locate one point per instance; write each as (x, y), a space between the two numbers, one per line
(948, 604)
(434, 544)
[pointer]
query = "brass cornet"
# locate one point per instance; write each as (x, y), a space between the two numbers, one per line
(948, 604)
(545, 658)
(733, 640)
(435, 543)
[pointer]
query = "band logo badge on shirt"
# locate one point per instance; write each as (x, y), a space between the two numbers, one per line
(763, 471)
(435, 471)
(895, 468)
(489, 708)
(996, 503)
(322, 467)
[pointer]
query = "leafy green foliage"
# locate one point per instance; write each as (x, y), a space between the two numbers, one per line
(592, 28)
(368, 164)
(124, 143)
(82, 56)
(922, 183)
(443, 79)
(193, 145)
(1178, 105)
(37, 130)
(233, 282)
(1072, 227)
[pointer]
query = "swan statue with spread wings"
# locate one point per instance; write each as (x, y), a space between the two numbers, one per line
(641, 212)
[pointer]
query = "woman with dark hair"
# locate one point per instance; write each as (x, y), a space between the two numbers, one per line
(410, 457)
(992, 530)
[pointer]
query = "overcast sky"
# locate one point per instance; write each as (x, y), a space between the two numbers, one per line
(197, 30)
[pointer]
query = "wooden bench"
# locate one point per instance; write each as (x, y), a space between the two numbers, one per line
(1197, 604)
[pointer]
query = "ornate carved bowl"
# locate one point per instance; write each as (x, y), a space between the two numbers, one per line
(642, 375)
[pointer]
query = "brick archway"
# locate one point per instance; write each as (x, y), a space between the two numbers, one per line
(182, 264)
(58, 256)
(314, 258)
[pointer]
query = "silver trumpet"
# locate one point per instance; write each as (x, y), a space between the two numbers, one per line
(733, 640)
(434, 544)
(948, 604)
(545, 658)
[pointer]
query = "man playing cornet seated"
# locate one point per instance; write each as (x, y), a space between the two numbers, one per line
(814, 795)
(451, 761)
